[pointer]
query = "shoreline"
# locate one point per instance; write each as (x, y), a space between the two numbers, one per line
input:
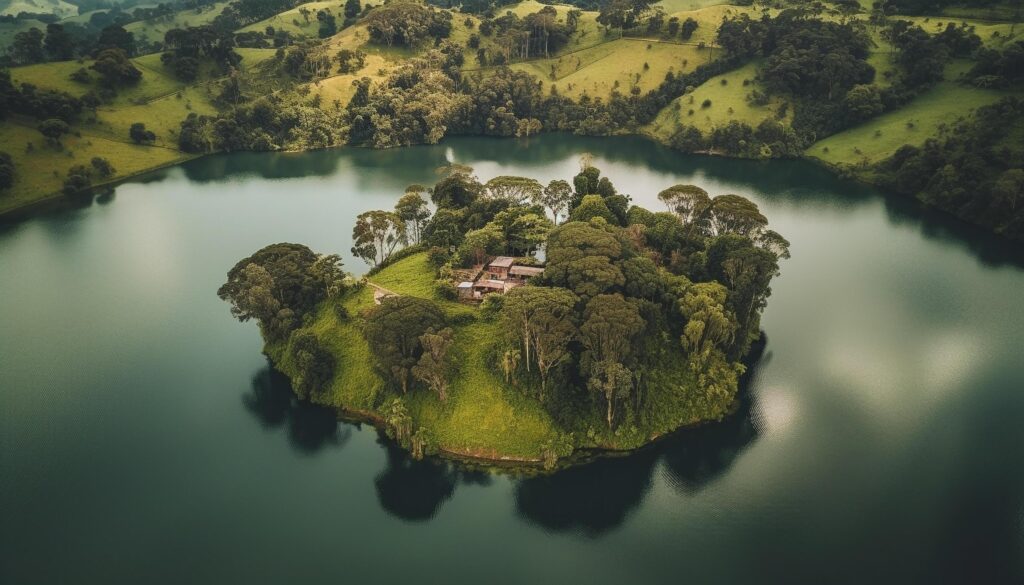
(57, 200)
(580, 456)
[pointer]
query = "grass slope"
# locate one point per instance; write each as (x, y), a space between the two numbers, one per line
(730, 96)
(58, 7)
(41, 169)
(153, 30)
(919, 120)
(615, 65)
(159, 100)
(483, 416)
(294, 22)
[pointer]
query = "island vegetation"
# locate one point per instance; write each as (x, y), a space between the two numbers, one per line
(463, 340)
(921, 97)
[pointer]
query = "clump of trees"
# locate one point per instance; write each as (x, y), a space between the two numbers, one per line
(409, 342)
(280, 285)
(535, 35)
(407, 23)
(140, 135)
(6, 171)
(975, 170)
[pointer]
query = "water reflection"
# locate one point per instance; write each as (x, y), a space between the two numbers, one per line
(591, 499)
(415, 490)
(310, 428)
(596, 498)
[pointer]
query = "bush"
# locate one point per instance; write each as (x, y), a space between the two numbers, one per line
(78, 182)
(6, 171)
(491, 306)
(706, 104)
(139, 134)
(341, 312)
(438, 256)
(103, 166)
(443, 289)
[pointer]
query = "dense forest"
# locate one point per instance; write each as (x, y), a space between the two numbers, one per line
(638, 323)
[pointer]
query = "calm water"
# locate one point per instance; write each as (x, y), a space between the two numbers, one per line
(143, 438)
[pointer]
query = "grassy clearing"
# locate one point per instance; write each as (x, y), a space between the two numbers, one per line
(671, 6)
(596, 62)
(301, 20)
(339, 87)
(159, 100)
(919, 120)
(615, 65)
(58, 7)
(709, 19)
(993, 34)
(153, 30)
(41, 169)
(730, 96)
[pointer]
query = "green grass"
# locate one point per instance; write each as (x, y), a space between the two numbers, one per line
(58, 7)
(159, 100)
(723, 97)
(671, 6)
(912, 124)
(294, 22)
(154, 30)
(41, 170)
(993, 34)
(615, 65)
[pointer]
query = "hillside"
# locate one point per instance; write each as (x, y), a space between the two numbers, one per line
(714, 97)
(485, 415)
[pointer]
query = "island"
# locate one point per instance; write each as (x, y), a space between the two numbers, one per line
(520, 323)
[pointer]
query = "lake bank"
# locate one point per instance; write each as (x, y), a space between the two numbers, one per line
(53, 201)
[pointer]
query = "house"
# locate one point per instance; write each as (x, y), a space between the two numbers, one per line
(520, 274)
(465, 289)
(499, 267)
(499, 276)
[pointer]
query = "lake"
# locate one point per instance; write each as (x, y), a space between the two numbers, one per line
(144, 439)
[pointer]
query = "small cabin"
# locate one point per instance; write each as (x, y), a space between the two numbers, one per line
(486, 286)
(499, 268)
(465, 289)
(520, 274)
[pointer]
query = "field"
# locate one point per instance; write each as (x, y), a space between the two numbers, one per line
(616, 65)
(58, 7)
(153, 30)
(728, 103)
(41, 168)
(301, 20)
(671, 6)
(596, 62)
(919, 120)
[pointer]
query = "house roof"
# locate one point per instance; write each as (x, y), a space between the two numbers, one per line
(526, 270)
(501, 262)
(485, 283)
(464, 284)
